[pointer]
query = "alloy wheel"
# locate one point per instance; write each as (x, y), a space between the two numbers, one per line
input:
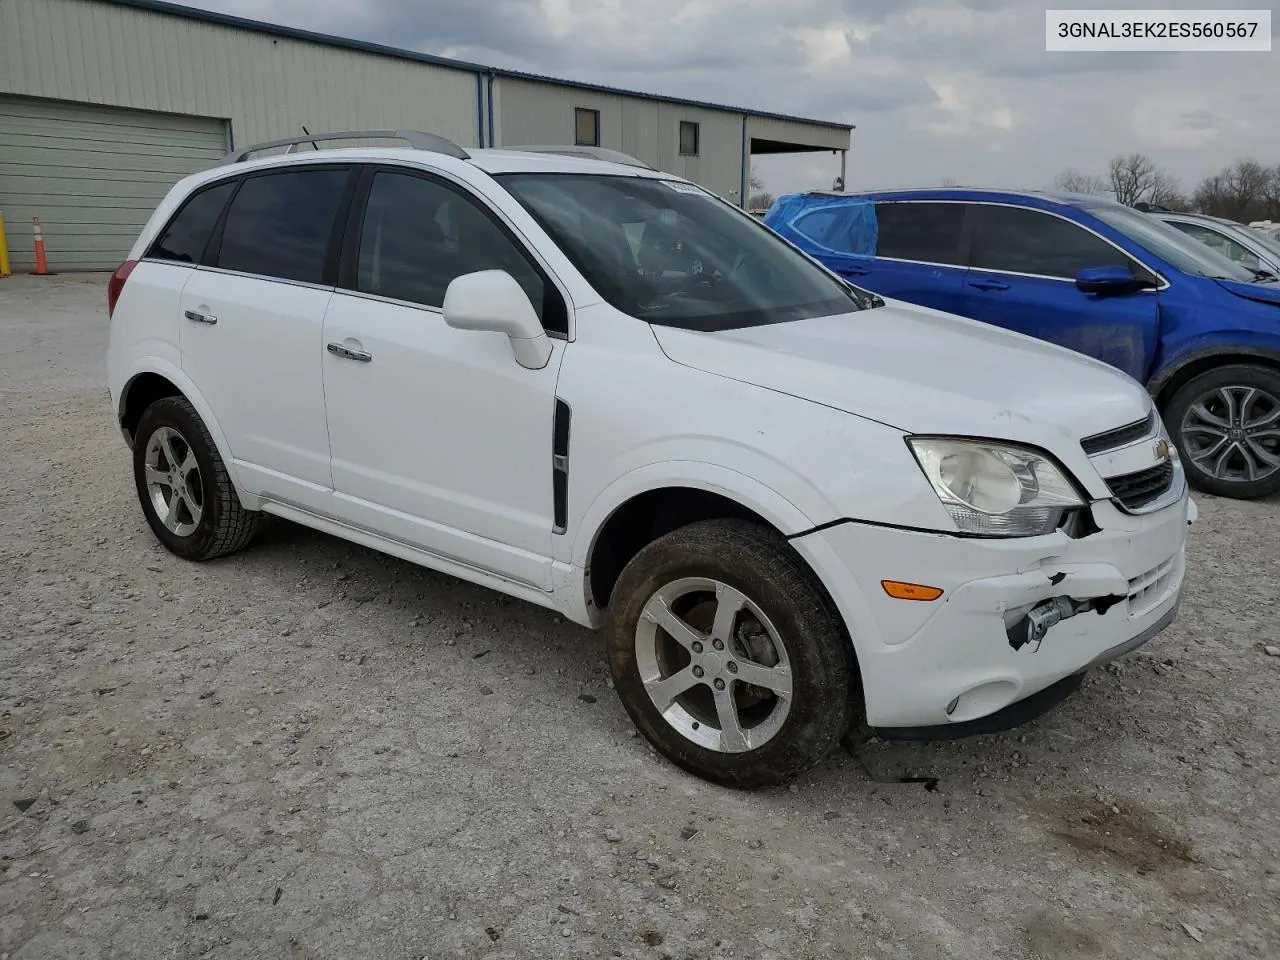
(713, 665)
(173, 482)
(1232, 433)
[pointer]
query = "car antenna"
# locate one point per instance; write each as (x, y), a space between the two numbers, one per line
(308, 133)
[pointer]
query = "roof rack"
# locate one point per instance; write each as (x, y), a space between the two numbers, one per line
(415, 138)
(595, 153)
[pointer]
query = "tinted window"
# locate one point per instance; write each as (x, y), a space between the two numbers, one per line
(419, 234)
(668, 252)
(185, 238)
(930, 232)
(1017, 240)
(279, 224)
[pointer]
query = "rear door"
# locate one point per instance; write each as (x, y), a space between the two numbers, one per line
(920, 254)
(1022, 277)
(251, 327)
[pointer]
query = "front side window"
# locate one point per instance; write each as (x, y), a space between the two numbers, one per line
(586, 127)
(921, 231)
(1019, 240)
(280, 224)
(1219, 243)
(419, 234)
(184, 239)
(670, 253)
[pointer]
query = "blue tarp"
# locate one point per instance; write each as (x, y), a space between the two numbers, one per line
(825, 225)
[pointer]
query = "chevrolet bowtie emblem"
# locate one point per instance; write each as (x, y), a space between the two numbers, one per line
(1162, 449)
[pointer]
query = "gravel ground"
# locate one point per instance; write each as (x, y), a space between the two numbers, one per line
(312, 750)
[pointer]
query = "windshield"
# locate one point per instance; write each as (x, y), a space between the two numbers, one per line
(1170, 244)
(670, 253)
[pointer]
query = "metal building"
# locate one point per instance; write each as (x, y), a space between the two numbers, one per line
(105, 103)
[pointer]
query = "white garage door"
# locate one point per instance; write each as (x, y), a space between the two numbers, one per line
(92, 174)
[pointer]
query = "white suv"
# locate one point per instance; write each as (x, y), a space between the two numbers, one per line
(790, 505)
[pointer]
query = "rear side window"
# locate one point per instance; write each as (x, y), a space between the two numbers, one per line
(927, 232)
(1018, 240)
(280, 224)
(185, 237)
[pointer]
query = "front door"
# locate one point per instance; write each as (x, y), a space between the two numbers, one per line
(1022, 277)
(439, 437)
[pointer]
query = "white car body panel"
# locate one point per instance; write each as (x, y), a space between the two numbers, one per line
(441, 439)
(438, 450)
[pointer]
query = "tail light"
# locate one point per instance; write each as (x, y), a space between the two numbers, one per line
(115, 286)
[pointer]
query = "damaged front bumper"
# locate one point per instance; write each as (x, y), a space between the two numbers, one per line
(1017, 618)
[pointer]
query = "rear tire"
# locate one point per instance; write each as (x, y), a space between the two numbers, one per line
(1226, 423)
(175, 458)
(724, 624)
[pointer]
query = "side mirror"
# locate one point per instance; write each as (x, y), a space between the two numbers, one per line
(1107, 280)
(492, 300)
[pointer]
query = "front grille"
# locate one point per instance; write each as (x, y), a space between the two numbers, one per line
(1121, 436)
(1136, 490)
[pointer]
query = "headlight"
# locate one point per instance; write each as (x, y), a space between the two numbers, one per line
(996, 489)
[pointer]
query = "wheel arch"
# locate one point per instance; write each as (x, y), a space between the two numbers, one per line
(155, 378)
(645, 504)
(1169, 380)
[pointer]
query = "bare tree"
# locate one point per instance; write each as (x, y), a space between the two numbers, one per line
(1272, 194)
(1165, 191)
(1132, 177)
(754, 182)
(1247, 183)
(1211, 196)
(1072, 181)
(950, 182)
(1244, 191)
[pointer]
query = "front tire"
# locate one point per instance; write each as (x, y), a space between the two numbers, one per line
(183, 486)
(1226, 423)
(728, 656)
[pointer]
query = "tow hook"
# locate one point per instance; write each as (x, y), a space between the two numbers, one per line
(1033, 627)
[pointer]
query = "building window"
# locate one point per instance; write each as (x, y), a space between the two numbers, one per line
(586, 127)
(688, 138)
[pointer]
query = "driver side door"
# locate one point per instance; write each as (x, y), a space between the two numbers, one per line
(439, 438)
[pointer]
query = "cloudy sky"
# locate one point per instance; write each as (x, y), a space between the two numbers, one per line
(938, 89)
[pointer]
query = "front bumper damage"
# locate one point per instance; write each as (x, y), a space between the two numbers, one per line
(1019, 622)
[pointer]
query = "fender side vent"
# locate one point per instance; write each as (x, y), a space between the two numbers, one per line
(560, 466)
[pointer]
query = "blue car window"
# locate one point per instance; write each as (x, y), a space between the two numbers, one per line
(926, 232)
(1019, 240)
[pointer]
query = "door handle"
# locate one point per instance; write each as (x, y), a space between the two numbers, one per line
(338, 350)
(988, 285)
(853, 271)
(200, 317)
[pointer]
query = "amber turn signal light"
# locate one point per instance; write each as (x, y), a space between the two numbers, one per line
(910, 591)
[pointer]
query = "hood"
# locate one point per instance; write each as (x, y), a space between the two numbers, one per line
(923, 371)
(1258, 292)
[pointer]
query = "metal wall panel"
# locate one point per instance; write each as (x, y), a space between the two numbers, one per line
(92, 174)
(267, 86)
(648, 129)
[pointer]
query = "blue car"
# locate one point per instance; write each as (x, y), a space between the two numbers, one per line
(1200, 331)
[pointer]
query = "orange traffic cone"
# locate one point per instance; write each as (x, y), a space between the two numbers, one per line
(42, 265)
